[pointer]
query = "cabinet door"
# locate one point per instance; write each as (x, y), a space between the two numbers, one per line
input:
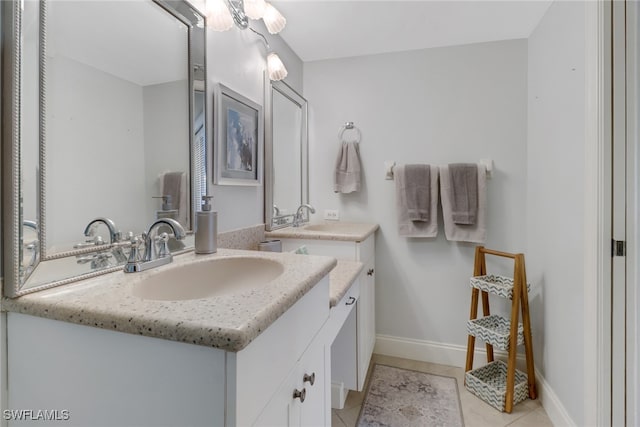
(313, 411)
(366, 321)
(282, 410)
(309, 408)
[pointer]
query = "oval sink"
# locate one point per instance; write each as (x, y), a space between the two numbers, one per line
(215, 277)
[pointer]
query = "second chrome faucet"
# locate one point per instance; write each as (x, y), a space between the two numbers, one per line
(156, 250)
(298, 217)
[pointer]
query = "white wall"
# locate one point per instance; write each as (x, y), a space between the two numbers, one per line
(555, 216)
(95, 145)
(437, 106)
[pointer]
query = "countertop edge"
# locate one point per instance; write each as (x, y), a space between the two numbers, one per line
(191, 332)
(301, 233)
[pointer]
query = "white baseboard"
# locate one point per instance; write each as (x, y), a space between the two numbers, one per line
(456, 355)
(551, 404)
(434, 352)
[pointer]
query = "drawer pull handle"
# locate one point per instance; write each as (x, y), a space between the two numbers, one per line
(370, 272)
(309, 378)
(351, 301)
(297, 394)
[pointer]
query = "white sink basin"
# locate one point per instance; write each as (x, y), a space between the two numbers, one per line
(215, 277)
(330, 228)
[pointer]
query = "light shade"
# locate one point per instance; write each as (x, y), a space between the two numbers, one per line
(218, 16)
(275, 67)
(255, 8)
(273, 20)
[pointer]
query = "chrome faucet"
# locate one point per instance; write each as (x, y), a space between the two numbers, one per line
(298, 218)
(114, 234)
(153, 257)
(97, 242)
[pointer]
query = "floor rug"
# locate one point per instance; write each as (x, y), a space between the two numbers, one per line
(401, 398)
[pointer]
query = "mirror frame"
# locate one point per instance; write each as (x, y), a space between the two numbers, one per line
(274, 222)
(11, 139)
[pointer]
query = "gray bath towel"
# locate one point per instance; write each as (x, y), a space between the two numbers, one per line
(417, 189)
(476, 233)
(407, 227)
(464, 192)
(347, 174)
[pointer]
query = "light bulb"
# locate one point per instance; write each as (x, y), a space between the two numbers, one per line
(273, 20)
(275, 67)
(218, 15)
(254, 9)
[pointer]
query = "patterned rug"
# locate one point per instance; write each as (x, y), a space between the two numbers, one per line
(402, 398)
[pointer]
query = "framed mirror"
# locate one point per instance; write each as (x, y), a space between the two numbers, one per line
(286, 153)
(104, 132)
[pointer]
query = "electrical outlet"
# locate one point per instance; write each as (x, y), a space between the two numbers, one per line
(332, 214)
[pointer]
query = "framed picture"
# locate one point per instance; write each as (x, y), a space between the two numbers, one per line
(238, 127)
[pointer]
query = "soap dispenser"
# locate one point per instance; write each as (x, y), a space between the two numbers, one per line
(206, 228)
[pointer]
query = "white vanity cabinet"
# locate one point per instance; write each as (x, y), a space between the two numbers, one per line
(353, 345)
(104, 377)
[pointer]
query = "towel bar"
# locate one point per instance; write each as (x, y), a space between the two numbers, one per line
(389, 165)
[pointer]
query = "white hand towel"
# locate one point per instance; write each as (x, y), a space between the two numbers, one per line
(347, 174)
(406, 227)
(475, 233)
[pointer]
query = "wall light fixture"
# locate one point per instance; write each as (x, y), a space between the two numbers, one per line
(222, 14)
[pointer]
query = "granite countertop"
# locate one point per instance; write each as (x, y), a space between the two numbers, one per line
(229, 322)
(341, 278)
(328, 230)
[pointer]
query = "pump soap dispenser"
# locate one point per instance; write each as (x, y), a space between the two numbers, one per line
(206, 228)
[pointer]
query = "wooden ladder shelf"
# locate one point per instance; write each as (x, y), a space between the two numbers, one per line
(491, 383)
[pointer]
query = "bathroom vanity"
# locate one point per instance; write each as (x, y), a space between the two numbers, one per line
(352, 317)
(251, 355)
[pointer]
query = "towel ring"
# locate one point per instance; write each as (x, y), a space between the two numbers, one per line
(349, 126)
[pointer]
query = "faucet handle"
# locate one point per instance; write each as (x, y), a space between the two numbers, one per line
(134, 254)
(163, 239)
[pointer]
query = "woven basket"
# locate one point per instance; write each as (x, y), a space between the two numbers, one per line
(489, 383)
(494, 330)
(494, 284)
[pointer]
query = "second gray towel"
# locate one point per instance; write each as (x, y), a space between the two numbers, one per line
(464, 192)
(417, 188)
(347, 173)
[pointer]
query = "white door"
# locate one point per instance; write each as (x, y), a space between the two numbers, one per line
(618, 228)
(632, 218)
(624, 357)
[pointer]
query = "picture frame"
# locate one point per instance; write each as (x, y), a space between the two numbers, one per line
(238, 124)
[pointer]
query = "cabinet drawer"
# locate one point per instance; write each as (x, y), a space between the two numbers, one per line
(339, 313)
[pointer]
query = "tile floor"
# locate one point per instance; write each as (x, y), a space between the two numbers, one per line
(476, 413)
